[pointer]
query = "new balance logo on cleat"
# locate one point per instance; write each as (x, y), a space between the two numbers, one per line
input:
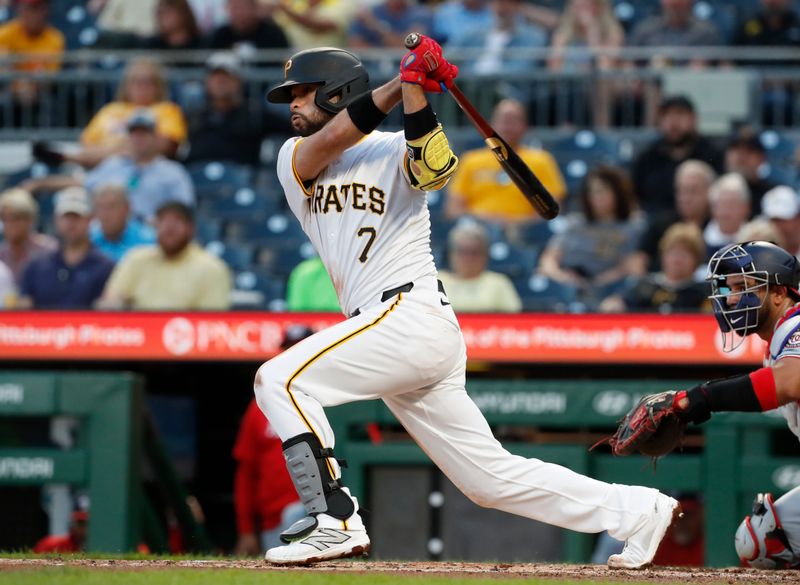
(326, 538)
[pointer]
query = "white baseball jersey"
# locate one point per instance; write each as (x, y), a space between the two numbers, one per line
(370, 228)
(785, 343)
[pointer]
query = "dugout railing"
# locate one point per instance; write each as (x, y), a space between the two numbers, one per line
(727, 460)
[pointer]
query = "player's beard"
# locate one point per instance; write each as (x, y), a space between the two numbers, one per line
(306, 126)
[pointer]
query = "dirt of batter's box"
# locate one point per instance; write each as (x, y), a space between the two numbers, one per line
(732, 576)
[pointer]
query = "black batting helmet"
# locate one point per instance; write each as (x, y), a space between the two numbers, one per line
(338, 73)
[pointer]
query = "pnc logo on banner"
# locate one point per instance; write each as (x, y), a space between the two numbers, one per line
(178, 336)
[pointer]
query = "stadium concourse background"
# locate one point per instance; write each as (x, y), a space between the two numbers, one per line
(587, 106)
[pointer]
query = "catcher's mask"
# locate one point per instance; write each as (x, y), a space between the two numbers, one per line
(737, 274)
(339, 74)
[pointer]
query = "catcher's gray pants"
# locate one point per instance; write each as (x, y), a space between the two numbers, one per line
(409, 352)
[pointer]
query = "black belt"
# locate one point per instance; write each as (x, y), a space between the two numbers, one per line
(393, 292)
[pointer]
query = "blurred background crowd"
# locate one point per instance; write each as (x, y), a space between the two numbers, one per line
(138, 165)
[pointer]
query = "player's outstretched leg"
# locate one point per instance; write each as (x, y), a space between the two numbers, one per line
(641, 546)
(333, 528)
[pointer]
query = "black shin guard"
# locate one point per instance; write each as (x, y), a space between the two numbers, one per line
(319, 492)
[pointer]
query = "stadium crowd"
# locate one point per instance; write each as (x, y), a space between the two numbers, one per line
(169, 198)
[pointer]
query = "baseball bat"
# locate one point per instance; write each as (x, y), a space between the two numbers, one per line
(522, 176)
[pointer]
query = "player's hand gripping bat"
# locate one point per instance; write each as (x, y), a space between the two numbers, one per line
(527, 182)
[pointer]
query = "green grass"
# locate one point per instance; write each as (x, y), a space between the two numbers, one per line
(78, 576)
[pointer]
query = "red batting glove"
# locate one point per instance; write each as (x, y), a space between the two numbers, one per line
(425, 66)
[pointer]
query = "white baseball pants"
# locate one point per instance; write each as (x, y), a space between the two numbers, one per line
(409, 352)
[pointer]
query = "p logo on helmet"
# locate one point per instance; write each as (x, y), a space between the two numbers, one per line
(286, 68)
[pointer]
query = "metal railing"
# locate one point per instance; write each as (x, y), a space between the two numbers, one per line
(581, 95)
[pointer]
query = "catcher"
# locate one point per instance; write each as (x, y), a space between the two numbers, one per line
(754, 290)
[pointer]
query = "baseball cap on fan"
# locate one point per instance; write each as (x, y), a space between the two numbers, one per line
(781, 202)
(225, 61)
(143, 119)
(73, 200)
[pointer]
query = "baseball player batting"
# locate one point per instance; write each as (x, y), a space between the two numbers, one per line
(754, 291)
(359, 194)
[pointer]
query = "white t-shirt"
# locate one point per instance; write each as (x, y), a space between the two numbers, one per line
(369, 227)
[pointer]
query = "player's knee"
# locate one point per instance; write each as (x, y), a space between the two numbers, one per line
(760, 540)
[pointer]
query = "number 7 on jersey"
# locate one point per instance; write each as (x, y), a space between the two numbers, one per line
(370, 231)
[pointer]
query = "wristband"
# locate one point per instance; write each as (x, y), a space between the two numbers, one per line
(736, 394)
(420, 123)
(364, 114)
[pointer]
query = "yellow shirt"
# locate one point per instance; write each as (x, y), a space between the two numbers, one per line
(491, 292)
(337, 11)
(49, 44)
(147, 280)
(108, 125)
(486, 190)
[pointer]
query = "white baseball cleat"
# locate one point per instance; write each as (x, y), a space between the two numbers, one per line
(329, 540)
(641, 546)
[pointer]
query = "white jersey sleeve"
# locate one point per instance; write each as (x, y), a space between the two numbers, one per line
(786, 344)
(296, 192)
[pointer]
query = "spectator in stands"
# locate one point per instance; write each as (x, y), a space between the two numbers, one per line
(150, 178)
(775, 24)
(176, 27)
(143, 86)
(453, 16)
(730, 209)
(262, 488)
(114, 232)
(676, 286)
(247, 30)
(226, 129)
(693, 180)
(590, 254)
(586, 24)
(21, 242)
(30, 33)
(8, 287)
(315, 23)
(310, 288)
(73, 276)
(781, 205)
(482, 188)
(469, 286)
(676, 26)
(589, 25)
(387, 24)
(175, 274)
(746, 155)
(509, 29)
(761, 229)
(654, 169)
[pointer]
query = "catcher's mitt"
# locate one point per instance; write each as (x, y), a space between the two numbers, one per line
(651, 428)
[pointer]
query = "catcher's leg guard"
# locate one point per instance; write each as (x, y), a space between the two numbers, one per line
(318, 490)
(760, 539)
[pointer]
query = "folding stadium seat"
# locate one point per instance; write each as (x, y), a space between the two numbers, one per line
(721, 14)
(255, 290)
(577, 154)
(533, 235)
(281, 259)
(276, 229)
(219, 179)
(632, 12)
(237, 256)
(539, 293)
(780, 149)
(209, 229)
(510, 260)
(245, 204)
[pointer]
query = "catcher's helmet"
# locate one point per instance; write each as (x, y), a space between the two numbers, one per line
(338, 72)
(759, 264)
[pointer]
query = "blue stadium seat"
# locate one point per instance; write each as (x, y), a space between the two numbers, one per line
(576, 155)
(36, 171)
(723, 15)
(237, 256)
(512, 261)
(632, 12)
(779, 175)
(278, 228)
(539, 293)
(208, 229)
(780, 150)
(281, 259)
(255, 290)
(219, 179)
(535, 235)
(244, 204)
